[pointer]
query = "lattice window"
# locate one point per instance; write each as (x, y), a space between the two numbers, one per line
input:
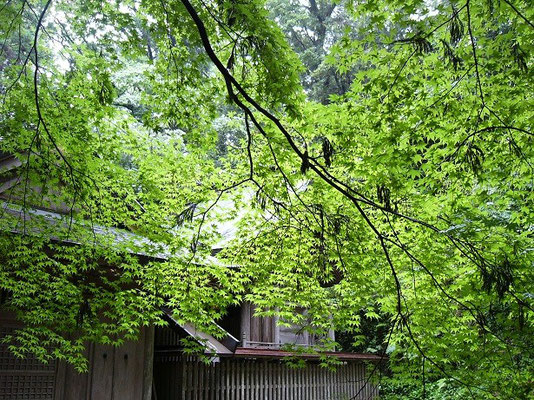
(24, 378)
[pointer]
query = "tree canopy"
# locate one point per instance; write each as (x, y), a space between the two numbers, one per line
(376, 158)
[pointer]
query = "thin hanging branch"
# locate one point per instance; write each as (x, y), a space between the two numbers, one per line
(519, 13)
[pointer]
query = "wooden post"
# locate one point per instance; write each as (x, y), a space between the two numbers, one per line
(245, 323)
(148, 371)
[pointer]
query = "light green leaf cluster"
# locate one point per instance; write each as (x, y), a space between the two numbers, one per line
(404, 200)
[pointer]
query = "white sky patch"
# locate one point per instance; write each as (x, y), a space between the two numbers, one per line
(420, 17)
(56, 46)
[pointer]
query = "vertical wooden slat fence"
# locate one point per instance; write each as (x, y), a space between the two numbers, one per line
(179, 377)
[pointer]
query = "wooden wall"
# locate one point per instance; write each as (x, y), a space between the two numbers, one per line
(115, 373)
(185, 378)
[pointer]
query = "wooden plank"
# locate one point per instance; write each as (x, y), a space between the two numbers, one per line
(364, 383)
(271, 380)
(342, 381)
(207, 381)
(261, 374)
(214, 380)
(318, 385)
(249, 378)
(76, 384)
(266, 330)
(334, 383)
(246, 378)
(282, 376)
(272, 366)
(255, 380)
(353, 379)
(184, 378)
(294, 383)
(221, 380)
(196, 374)
(286, 382)
(213, 377)
(237, 378)
(350, 378)
(304, 383)
(314, 381)
(356, 377)
(309, 381)
(203, 380)
(274, 380)
(261, 377)
(267, 380)
(191, 386)
(301, 383)
(321, 383)
(325, 384)
(194, 379)
(226, 380)
(347, 378)
(290, 383)
(328, 378)
(359, 377)
(252, 377)
(297, 383)
(59, 389)
(128, 369)
(102, 374)
(283, 380)
(270, 386)
(255, 328)
(360, 381)
(276, 327)
(191, 383)
(243, 380)
(200, 384)
(233, 379)
(245, 324)
(280, 387)
(328, 375)
(260, 380)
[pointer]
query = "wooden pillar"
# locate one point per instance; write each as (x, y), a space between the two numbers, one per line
(276, 328)
(245, 323)
(148, 372)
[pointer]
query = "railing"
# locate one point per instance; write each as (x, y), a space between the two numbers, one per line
(272, 345)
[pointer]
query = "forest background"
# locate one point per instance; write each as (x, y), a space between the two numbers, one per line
(374, 160)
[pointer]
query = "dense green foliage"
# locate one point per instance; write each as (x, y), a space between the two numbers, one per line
(393, 184)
